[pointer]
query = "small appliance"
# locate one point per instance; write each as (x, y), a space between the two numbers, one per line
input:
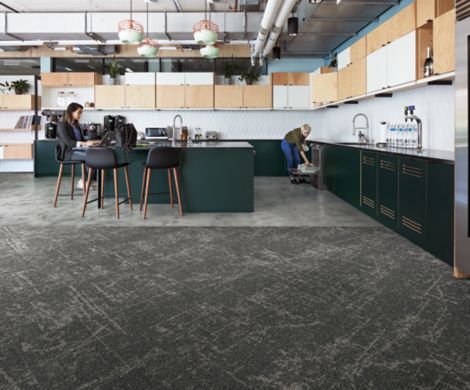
(155, 133)
(118, 121)
(108, 123)
(92, 131)
(51, 130)
(211, 135)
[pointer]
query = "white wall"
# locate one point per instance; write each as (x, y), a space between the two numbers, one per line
(434, 104)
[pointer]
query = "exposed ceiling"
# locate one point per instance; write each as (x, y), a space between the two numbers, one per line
(323, 27)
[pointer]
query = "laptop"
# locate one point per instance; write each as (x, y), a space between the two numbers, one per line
(108, 138)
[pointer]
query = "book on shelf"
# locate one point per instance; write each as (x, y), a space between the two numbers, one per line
(27, 121)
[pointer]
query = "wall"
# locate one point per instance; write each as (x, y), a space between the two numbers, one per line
(435, 106)
(295, 64)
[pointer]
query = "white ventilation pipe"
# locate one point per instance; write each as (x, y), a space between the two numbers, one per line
(269, 16)
(276, 30)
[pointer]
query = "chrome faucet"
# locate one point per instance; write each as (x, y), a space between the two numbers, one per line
(363, 138)
(410, 115)
(174, 126)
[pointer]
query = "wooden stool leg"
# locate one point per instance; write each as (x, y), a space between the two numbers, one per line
(57, 186)
(128, 186)
(177, 183)
(170, 186)
(83, 178)
(147, 186)
(102, 189)
(88, 185)
(72, 181)
(142, 194)
(116, 191)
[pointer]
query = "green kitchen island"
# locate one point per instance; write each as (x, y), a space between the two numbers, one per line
(214, 176)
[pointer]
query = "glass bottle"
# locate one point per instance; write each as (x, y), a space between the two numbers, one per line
(428, 64)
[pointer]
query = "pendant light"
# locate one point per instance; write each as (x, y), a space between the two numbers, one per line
(130, 31)
(148, 47)
(210, 51)
(293, 26)
(205, 31)
(276, 53)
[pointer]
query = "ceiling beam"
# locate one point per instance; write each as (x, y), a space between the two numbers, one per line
(2, 4)
(363, 2)
(340, 19)
(328, 33)
(177, 5)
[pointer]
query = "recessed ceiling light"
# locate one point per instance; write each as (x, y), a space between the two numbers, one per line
(315, 1)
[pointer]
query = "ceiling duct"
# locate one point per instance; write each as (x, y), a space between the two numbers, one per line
(272, 8)
(16, 48)
(249, 5)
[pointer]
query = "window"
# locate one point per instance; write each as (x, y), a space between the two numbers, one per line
(186, 65)
(78, 65)
(20, 66)
(240, 65)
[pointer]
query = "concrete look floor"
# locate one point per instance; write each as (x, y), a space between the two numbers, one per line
(26, 200)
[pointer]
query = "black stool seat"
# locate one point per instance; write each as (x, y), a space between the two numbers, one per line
(161, 158)
(101, 159)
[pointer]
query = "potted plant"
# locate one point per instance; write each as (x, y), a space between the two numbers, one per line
(250, 76)
(229, 70)
(21, 87)
(114, 69)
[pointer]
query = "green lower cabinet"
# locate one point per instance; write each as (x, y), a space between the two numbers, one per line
(369, 183)
(269, 158)
(387, 191)
(440, 216)
(44, 159)
(412, 200)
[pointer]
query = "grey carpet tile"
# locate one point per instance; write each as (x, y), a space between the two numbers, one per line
(228, 308)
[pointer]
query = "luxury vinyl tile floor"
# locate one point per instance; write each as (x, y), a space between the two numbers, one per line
(28, 201)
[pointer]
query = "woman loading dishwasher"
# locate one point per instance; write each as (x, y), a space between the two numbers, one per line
(294, 147)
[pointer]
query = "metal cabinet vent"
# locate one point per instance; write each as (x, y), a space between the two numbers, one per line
(463, 9)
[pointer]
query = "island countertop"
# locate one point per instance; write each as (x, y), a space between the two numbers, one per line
(145, 145)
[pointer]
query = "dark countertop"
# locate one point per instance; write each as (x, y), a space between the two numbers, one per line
(430, 154)
(195, 145)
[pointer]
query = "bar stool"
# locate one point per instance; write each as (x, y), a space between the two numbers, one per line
(72, 164)
(102, 159)
(161, 158)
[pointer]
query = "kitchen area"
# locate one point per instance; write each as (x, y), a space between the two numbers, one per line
(207, 254)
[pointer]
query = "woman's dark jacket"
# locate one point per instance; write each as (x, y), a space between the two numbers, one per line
(67, 140)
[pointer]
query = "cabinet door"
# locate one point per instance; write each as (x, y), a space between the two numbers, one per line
(18, 152)
(298, 96)
(82, 79)
(140, 78)
(358, 50)
(140, 96)
(387, 191)
(402, 23)
(257, 96)
(228, 96)
(56, 79)
(18, 102)
(344, 58)
(425, 11)
(377, 70)
(199, 78)
(280, 93)
(199, 96)
(440, 218)
(377, 38)
(369, 183)
(280, 78)
(347, 175)
(110, 96)
(170, 78)
(298, 78)
(170, 96)
(402, 60)
(412, 200)
(444, 42)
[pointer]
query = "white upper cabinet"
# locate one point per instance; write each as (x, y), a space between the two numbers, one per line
(299, 96)
(280, 97)
(344, 58)
(170, 78)
(140, 78)
(377, 64)
(202, 78)
(402, 60)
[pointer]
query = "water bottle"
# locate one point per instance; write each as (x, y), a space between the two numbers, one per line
(392, 135)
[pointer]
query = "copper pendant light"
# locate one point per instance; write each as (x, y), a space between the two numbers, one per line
(148, 47)
(130, 31)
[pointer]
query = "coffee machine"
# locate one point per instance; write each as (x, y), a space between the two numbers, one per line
(111, 122)
(52, 119)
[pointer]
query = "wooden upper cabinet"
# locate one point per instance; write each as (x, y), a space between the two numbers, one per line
(54, 79)
(444, 42)
(228, 96)
(402, 23)
(18, 102)
(378, 37)
(140, 96)
(83, 79)
(428, 10)
(199, 96)
(352, 80)
(170, 96)
(70, 79)
(290, 78)
(324, 88)
(358, 50)
(257, 96)
(110, 96)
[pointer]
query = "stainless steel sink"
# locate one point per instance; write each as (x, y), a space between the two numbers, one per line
(354, 143)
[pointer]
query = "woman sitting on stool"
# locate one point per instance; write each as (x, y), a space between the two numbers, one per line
(70, 136)
(293, 147)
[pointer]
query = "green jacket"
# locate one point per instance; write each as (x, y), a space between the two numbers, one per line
(295, 137)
